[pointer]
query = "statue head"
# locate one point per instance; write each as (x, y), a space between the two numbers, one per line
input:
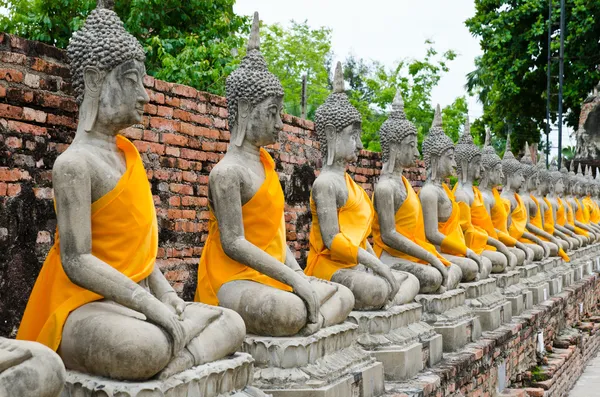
(438, 150)
(468, 156)
(398, 137)
(491, 164)
(544, 176)
(557, 184)
(589, 181)
(579, 182)
(596, 188)
(512, 168)
(530, 171)
(107, 65)
(254, 97)
(338, 124)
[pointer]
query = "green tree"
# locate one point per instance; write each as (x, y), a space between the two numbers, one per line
(191, 42)
(510, 78)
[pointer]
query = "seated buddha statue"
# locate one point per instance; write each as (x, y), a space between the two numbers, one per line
(29, 369)
(100, 299)
(517, 221)
(246, 264)
(441, 213)
(588, 202)
(570, 203)
(558, 206)
(534, 214)
(342, 214)
(577, 182)
(398, 231)
(476, 223)
(545, 218)
(498, 207)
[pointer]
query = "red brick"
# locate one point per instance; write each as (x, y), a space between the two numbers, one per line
(209, 146)
(12, 112)
(17, 95)
(3, 188)
(2, 91)
(174, 214)
(172, 151)
(172, 101)
(208, 133)
(173, 139)
(187, 104)
(13, 189)
(189, 176)
(164, 124)
(156, 97)
(13, 57)
(150, 109)
(44, 193)
(132, 133)
(12, 75)
(220, 123)
(184, 90)
(23, 128)
(164, 111)
(43, 237)
(188, 214)
(148, 81)
(56, 101)
(175, 201)
(534, 392)
(200, 119)
(162, 86)
(181, 189)
(41, 65)
(193, 154)
(151, 136)
(144, 147)
(34, 115)
(13, 142)
(62, 120)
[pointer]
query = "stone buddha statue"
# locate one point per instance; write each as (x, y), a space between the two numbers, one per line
(498, 207)
(476, 223)
(545, 218)
(571, 201)
(398, 230)
(558, 206)
(588, 202)
(441, 213)
(534, 211)
(342, 213)
(246, 264)
(29, 369)
(517, 221)
(100, 299)
(577, 190)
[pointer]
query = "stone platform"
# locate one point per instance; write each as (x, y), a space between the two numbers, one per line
(509, 285)
(329, 363)
(450, 317)
(221, 378)
(535, 282)
(492, 308)
(398, 339)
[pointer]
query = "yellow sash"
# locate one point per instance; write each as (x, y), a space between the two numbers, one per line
(548, 218)
(518, 219)
(475, 237)
(454, 242)
(591, 208)
(409, 223)
(264, 226)
(499, 218)
(571, 220)
(580, 213)
(355, 219)
(561, 214)
(124, 235)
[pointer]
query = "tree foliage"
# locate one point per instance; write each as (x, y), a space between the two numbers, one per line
(510, 78)
(191, 42)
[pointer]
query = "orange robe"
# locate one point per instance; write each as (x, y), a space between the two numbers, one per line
(549, 227)
(571, 220)
(561, 213)
(475, 237)
(409, 223)
(581, 215)
(264, 227)
(499, 217)
(124, 235)
(481, 218)
(518, 219)
(454, 243)
(355, 219)
(592, 209)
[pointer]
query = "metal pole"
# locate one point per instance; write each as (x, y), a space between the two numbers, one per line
(549, 77)
(561, 72)
(303, 103)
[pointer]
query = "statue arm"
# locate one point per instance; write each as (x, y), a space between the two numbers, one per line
(12, 355)
(429, 202)
(291, 262)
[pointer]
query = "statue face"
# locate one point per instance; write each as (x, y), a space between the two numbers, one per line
(495, 175)
(542, 186)
(446, 164)
(474, 168)
(559, 187)
(407, 152)
(263, 123)
(348, 143)
(123, 96)
(515, 180)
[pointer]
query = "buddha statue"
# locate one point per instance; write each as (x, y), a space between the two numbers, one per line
(100, 299)
(588, 202)
(545, 218)
(398, 230)
(518, 219)
(246, 264)
(582, 233)
(476, 223)
(577, 182)
(498, 207)
(342, 214)
(534, 214)
(29, 369)
(441, 213)
(558, 207)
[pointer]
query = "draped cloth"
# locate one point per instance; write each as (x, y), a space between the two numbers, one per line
(571, 220)
(518, 219)
(561, 213)
(124, 236)
(592, 208)
(355, 218)
(475, 237)
(549, 227)
(454, 243)
(409, 223)
(499, 216)
(264, 227)
(581, 214)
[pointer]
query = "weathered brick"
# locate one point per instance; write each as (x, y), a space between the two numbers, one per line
(164, 111)
(38, 116)
(174, 139)
(23, 128)
(11, 75)
(183, 90)
(9, 111)
(14, 189)
(13, 142)
(54, 119)
(13, 57)
(164, 124)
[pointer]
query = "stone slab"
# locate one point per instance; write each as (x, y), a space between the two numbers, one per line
(505, 280)
(539, 293)
(528, 270)
(226, 377)
(328, 363)
(456, 336)
(401, 363)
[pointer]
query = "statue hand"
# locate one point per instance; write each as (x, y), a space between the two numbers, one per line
(302, 288)
(442, 269)
(162, 315)
(174, 302)
(472, 255)
(546, 250)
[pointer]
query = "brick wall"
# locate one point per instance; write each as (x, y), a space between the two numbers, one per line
(183, 134)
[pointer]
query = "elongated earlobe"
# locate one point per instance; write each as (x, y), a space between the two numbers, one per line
(331, 143)
(242, 121)
(93, 79)
(391, 165)
(434, 165)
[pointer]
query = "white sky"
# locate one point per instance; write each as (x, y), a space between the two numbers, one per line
(388, 31)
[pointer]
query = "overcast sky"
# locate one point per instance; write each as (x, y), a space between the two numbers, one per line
(388, 31)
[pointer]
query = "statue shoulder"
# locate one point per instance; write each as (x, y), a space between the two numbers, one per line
(71, 165)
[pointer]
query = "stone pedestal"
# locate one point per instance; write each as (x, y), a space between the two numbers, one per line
(528, 270)
(398, 339)
(509, 285)
(487, 303)
(327, 364)
(227, 377)
(538, 285)
(551, 267)
(450, 317)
